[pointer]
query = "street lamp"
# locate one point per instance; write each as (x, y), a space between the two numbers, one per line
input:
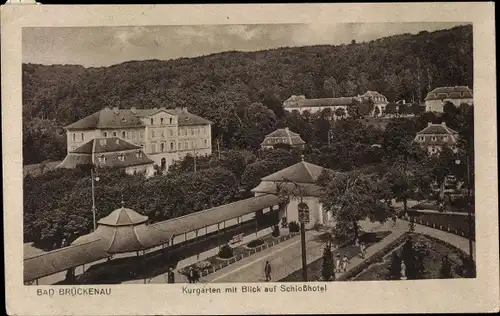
(469, 214)
(303, 212)
(93, 178)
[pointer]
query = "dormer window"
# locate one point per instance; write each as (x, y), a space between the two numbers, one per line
(445, 138)
(433, 138)
(139, 154)
(121, 157)
(102, 159)
(421, 138)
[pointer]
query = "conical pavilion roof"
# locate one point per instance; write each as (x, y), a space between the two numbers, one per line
(123, 217)
(302, 172)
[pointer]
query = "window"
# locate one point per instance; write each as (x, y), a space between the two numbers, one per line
(170, 120)
(171, 133)
(134, 135)
(124, 134)
(102, 159)
(193, 144)
(433, 138)
(121, 157)
(179, 146)
(74, 136)
(161, 120)
(141, 134)
(153, 148)
(114, 134)
(139, 154)
(153, 134)
(421, 138)
(152, 121)
(186, 145)
(206, 143)
(162, 147)
(172, 146)
(102, 142)
(192, 131)
(105, 134)
(83, 137)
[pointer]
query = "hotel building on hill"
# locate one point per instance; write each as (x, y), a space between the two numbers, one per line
(165, 135)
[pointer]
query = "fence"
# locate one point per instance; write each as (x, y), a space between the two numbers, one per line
(443, 227)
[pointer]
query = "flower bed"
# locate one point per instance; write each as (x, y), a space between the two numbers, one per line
(255, 243)
(238, 253)
(436, 251)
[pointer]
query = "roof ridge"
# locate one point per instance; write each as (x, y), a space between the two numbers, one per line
(60, 249)
(308, 170)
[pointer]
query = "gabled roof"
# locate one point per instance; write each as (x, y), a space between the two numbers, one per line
(457, 92)
(110, 148)
(185, 118)
(302, 172)
(437, 129)
(342, 101)
(107, 118)
(104, 145)
(123, 217)
(285, 134)
(372, 94)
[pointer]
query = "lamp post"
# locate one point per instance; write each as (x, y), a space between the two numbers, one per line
(303, 212)
(94, 178)
(469, 214)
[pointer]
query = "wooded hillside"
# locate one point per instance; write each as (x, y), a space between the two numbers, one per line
(221, 87)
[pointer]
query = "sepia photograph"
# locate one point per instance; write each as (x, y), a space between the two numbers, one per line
(244, 159)
(248, 153)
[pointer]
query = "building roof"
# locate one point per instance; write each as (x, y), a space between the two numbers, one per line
(271, 187)
(437, 129)
(342, 101)
(105, 145)
(110, 148)
(302, 172)
(107, 118)
(51, 262)
(185, 118)
(123, 217)
(285, 134)
(128, 118)
(372, 94)
(457, 92)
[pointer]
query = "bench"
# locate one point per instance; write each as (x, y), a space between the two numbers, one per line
(236, 239)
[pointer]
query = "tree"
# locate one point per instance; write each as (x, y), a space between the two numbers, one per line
(445, 270)
(330, 87)
(352, 197)
(391, 108)
(340, 112)
(394, 272)
(327, 267)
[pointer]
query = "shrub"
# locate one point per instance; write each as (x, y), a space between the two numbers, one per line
(255, 243)
(294, 227)
(445, 270)
(276, 231)
(226, 252)
(203, 265)
(317, 227)
(395, 267)
(327, 268)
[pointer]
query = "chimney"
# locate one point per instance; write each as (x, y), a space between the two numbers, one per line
(429, 123)
(116, 110)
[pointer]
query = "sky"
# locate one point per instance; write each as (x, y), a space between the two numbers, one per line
(105, 46)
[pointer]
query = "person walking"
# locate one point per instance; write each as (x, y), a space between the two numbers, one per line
(362, 249)
(191, 275)
(337, 263)
(171, 276)
(345, 261)
(267, 271)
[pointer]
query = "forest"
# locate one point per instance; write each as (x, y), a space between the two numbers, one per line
(242, 92)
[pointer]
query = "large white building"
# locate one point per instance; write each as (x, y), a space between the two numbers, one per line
(435, 100)
(301, 103)
(165, 135)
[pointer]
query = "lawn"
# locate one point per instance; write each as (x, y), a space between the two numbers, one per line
(315, 267)
(432, 262)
